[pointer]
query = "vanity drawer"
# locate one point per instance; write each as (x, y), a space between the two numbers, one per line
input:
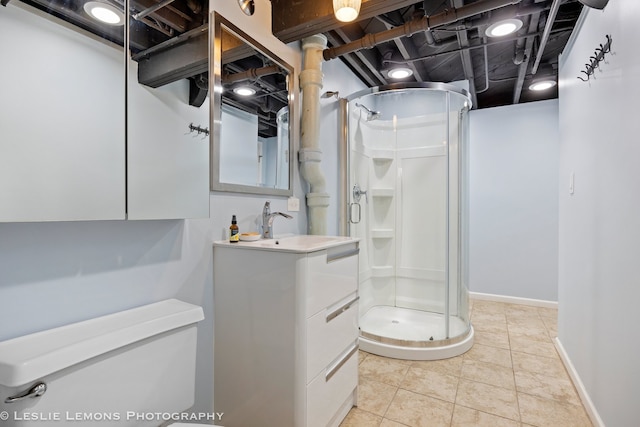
(333, 275)
(329, 332)
(329, 390)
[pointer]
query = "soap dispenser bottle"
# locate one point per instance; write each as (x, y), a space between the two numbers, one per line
(234, 235)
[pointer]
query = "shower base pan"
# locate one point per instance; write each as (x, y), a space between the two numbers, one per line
(404, 333)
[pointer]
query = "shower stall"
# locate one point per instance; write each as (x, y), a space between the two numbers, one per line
(406, 181)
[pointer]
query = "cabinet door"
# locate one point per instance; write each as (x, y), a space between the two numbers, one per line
(167, 165)
(61, 121)
(167, 161)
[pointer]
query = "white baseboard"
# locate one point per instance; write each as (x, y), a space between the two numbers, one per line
(514, 300)
(582, 392)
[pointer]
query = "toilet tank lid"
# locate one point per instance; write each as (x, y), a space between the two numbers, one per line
(31, 357)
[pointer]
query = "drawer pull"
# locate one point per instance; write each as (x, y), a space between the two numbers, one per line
(338, 311)
(332, 371)
(336, 257)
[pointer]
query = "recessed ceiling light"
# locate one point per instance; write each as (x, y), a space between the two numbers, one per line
(504, 27)
(542, 85)
(104, 12)
(400, 73)
(244, 91)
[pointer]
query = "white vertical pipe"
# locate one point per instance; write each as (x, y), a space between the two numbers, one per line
(310, 154)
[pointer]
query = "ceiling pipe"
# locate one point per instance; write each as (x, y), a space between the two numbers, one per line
(251, 74)
(422, 24)
(545, 36)
(465, 56)
(479, 46)
(524, 66)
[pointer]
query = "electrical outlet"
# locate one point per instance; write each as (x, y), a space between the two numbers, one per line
(293, 204)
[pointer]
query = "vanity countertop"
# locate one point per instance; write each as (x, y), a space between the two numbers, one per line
(296, 244)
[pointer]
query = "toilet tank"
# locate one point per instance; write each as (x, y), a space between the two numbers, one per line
(132, 368)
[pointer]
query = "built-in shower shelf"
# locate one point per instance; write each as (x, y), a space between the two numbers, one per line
(382, 233)
(382, 192)
(382, 155)
(382, 271)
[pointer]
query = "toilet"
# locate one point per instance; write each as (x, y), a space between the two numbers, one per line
(132, 368)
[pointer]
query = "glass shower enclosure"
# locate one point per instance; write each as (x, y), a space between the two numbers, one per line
(407, 185)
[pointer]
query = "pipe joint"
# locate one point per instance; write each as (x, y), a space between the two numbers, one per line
(318, 200)
(310, 77)
(317, 41)
(309, 155)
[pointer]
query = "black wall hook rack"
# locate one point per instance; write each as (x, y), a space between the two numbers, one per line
(596, 59)
(194, 128)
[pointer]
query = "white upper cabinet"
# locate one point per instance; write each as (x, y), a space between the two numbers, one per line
(62, 114)
(78, 140)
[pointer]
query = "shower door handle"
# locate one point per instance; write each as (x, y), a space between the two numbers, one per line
(357, 194)
(351, 215)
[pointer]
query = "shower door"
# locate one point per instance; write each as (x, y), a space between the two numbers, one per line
(404, 165)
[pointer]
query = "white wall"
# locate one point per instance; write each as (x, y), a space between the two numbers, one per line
(513, 200)
(599, 228)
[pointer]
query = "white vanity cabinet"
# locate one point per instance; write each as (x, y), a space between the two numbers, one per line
(286, 331)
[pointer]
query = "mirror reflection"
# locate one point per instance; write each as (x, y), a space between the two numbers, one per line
(251, 148)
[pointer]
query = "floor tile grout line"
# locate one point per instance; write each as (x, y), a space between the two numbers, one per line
(509, 340)
(389, 405)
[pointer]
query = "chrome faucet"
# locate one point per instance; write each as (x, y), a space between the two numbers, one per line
(267, 220)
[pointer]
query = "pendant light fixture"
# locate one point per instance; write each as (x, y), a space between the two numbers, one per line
(346, 10)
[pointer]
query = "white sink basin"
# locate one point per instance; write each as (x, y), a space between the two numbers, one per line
(300, 243)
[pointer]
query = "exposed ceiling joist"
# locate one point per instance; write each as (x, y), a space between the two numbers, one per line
(353, 62)
(408, 51)
(369, 57)
(294, 19)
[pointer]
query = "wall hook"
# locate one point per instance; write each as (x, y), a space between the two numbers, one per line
(597, 58)
(199, 130)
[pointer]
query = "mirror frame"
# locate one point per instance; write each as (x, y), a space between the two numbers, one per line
(217, 24)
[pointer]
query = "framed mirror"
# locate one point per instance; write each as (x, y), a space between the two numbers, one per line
(251, 104)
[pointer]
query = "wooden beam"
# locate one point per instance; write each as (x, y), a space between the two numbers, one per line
(296, 19)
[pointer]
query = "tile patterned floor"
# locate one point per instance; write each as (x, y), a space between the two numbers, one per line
(512, 377)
